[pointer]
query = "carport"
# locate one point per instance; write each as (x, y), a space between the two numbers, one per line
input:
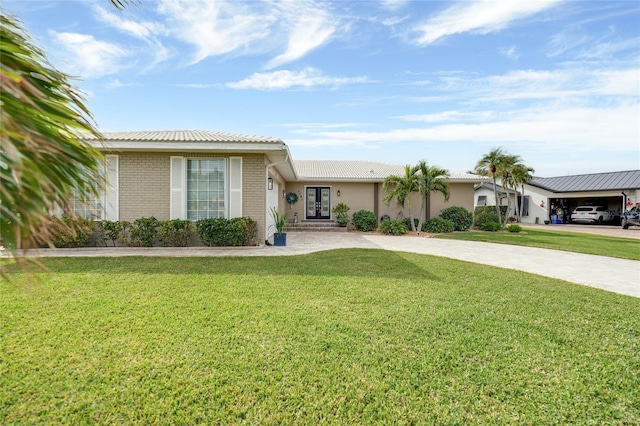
(616, 191)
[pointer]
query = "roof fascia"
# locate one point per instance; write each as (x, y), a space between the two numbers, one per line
(159, 146)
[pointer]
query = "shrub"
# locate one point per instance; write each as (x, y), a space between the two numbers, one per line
(340, 211)
(484, 214)
(71, 232)
(221, 232)
(514, 228)
(143, 231)
(176, 233)
(407, 223)
(114, 231)
(241, 231)
(393, 227)
(364, 220)
(491, 226)
(461, 218)
(437, 225)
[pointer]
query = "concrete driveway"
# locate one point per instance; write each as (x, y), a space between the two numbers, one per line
(610, 274)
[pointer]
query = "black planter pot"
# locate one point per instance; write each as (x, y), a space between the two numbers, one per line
(280, 239)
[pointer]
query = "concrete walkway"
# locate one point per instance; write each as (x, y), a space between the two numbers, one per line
(610, 274)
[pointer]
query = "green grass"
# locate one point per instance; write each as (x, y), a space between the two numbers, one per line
(340, 337)
(624, 248)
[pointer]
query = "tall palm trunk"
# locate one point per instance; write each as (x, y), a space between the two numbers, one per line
(495, 193)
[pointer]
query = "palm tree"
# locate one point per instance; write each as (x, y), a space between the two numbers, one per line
(521, 175)
(431, 179)
(505, 168)
(401, 188)
(43, 160)
(488, 166)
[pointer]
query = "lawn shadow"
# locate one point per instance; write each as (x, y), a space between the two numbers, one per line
(353, 262)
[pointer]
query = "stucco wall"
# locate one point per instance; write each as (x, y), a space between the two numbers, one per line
(361, 196)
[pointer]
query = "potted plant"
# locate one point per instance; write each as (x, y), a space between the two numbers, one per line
(280, 219)
(341, 210)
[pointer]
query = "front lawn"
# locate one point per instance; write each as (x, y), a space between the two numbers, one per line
(338, 337)
(624, 248)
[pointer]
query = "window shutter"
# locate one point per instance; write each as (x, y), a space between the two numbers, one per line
(177, 188)
(235, 187)
(112, 207)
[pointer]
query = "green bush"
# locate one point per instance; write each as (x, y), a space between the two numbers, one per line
(491, 226)
(71, 232)
(484, 214)
(242, 231)
(144, 231)
(393, 227)
(221, 232)
(461, 218)
(407, 223)
(176, 232)
(437, 225)
(114, 231)
(514, 228)
(364, 220)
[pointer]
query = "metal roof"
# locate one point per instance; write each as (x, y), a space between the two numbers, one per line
(185, 136)
(591, 182)
(360, 171)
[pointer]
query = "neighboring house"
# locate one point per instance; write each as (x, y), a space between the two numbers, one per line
(485, 196)
(199, 174)
(616, 191)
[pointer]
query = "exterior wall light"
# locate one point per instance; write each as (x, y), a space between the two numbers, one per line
(338, 193)
(270, 184)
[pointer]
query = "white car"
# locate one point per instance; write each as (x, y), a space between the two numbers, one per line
(591, 214)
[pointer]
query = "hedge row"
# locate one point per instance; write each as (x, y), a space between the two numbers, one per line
(451, 219)
(68, 232)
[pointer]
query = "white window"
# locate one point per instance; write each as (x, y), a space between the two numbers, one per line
(203, 188)
(105, 204)
(206, 188)
(90, 208)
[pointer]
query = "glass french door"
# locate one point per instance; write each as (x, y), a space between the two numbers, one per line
(318, 203)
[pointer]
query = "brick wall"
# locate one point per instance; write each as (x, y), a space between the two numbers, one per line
(144, 184)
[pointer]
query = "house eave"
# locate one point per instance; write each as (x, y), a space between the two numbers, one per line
(159, 146)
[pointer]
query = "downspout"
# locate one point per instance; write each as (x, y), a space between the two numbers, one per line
(266, 196)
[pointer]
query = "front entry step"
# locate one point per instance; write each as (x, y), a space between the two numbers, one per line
(315, 227)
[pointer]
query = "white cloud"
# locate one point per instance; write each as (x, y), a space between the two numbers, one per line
(216, 28)
(393, 4)
(310, 28)
(448, 116)
(578, 128)
(137, 29)
(480, 16)
(285, 79)
(90, 58)
(510, 52)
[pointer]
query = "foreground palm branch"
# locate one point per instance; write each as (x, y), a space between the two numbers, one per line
(42, 158)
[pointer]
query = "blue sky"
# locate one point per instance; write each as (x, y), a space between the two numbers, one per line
(556, 82)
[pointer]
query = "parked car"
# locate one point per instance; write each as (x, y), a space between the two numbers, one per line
(631, 217)
(591, 214)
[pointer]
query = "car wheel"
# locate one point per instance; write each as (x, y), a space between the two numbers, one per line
(625, 224)
(600, 220)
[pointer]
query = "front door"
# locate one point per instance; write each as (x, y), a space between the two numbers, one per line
(318, 203)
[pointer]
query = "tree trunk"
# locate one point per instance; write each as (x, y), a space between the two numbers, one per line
(495, 193)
